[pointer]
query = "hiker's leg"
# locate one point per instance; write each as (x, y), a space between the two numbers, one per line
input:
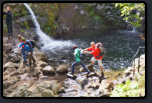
(84, 67)
(100, 64)
(23, 53)
(33, 58)
(93, 60)
(7, 23)
(30, 56)
(72, 71)
(11, 29)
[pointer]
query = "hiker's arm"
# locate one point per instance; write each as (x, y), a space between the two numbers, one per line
(87, 49)
(20, 45)
(87, 52)
(9, 13)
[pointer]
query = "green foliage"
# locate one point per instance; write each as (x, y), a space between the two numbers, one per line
(127, 8)
(26, 24)
(130, 89)
(22, 31)
(91, 13)
(16, 14)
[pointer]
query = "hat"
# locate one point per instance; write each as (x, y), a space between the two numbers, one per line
(74, 47)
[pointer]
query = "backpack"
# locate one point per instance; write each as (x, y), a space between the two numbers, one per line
(81, 55)
(33, 43)
(102, 50)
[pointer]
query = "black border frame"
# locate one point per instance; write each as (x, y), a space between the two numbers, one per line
(77, 2)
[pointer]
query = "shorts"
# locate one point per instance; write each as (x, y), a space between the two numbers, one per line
(99, 61)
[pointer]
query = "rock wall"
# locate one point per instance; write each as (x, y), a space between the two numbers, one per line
(63, 18)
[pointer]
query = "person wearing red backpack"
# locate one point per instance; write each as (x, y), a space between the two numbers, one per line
(96, 55)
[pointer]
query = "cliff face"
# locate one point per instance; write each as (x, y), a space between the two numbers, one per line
(63, 18)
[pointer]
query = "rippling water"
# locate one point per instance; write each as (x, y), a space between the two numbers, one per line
(120, 48)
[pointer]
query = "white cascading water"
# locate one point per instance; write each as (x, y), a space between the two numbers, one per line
(48, 43)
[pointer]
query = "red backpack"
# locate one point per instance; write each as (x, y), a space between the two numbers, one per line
(102, 50)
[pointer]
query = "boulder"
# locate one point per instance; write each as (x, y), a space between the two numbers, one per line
(62, 69)
(127, 72)
(105, 88)
(61, 90)
(41, 63)
(21, 91)
(6, 84)
(9, 70)
(42, 57)
(47, 93)
(45, 89)
(7, 48)
(10, 65)
(48, 70)
(88, 67)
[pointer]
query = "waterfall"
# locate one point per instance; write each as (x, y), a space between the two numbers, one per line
(134, 28)
(48, 42)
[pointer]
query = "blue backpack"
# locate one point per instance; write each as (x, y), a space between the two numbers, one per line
(81, 55)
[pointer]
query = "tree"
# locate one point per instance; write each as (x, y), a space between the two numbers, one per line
(134, 18)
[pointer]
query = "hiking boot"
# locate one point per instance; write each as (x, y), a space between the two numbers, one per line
(102, 76)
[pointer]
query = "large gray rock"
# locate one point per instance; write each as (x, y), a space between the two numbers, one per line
(62, 69)
(41, 57)
(41, 63)
(48, 70)
(105, 88)
(45, 89)
(47, 93)
(7, 48)
(21, 91)
(88, 67)
(10, 65)
(127, 72)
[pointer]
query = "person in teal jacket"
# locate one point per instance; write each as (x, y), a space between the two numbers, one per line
(78, 60)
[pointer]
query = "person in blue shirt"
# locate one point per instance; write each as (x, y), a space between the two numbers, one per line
(28, 47)
(78, 60)
(23, 49)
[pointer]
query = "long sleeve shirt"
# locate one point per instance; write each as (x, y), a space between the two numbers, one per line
(8, 15)
(28, 45)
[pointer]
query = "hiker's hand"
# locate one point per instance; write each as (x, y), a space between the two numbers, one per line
(29, 53)
(4, 11)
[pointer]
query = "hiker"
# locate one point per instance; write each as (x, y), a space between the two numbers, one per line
(29, 48)
(8, 14)
(78, 60)
(95, 52)
(23, 49)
